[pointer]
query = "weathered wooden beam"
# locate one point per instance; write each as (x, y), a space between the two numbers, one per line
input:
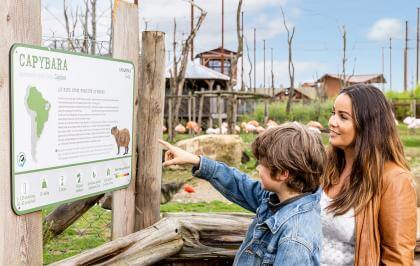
(125, 44)
(134, 247)
(178, 236)
(20, 236)
(150, 117)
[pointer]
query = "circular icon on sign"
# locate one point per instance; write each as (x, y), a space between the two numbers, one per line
(21, 159)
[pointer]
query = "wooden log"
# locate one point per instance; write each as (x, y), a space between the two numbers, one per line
(65, 215)
(150, 119)
(167, 191)
(125, 45)
(20, 236)
(178, 236)
(134, 247)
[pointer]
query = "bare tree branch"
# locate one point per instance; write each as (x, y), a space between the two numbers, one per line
(234, 63)
(183, 60)
(250, 63)
(291, 67)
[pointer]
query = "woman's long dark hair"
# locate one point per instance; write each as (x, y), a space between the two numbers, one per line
(377, 141)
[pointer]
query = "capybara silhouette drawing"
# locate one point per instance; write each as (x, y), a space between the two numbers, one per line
(122, 138)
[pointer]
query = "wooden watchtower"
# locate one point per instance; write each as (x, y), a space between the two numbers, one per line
(213, 59)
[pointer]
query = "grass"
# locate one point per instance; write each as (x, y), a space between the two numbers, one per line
(91, 230)
(213, 206)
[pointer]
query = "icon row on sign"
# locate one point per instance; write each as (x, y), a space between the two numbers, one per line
(62, 181)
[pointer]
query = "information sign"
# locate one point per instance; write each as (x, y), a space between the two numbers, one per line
(71, 126)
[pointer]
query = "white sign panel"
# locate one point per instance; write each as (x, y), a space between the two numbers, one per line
(71, 125)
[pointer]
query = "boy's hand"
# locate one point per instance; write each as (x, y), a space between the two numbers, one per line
(175, 155)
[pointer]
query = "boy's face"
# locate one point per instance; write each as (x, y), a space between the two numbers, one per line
(267, 182)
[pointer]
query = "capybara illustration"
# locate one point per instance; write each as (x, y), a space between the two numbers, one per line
(122, 138)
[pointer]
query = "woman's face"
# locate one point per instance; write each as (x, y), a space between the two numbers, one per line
(341, 123)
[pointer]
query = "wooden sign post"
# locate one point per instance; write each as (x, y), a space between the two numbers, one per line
(20, 236)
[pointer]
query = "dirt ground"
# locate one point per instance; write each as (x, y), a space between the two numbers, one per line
(204, 192)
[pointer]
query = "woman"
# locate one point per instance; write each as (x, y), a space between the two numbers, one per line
(369, 202)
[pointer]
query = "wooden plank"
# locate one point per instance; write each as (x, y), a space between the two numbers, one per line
(125, 44)
(20, 236)
(150, 117)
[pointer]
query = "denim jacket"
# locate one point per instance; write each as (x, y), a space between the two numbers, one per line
(290, 236)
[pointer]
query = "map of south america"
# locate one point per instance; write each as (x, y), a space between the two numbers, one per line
(38, 109)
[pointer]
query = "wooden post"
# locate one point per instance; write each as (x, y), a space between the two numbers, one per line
(151, 102)
(170, 124)
(125, 45)
(20, 236)
(235, 113)
(194, 106)
(200, 111)
(265, 111)
(219, 110)
(189, 110)
(210, 83)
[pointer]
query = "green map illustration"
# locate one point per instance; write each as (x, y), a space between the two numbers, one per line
(38, 109)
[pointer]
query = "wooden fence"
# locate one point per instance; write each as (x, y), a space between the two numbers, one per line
(406, 107)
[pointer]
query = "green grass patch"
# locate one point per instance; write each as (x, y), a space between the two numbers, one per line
(89, 231)
(213, 206)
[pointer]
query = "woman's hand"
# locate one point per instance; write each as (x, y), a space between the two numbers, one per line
(175, 155)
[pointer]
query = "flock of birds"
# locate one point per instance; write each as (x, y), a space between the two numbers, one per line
(252, 126)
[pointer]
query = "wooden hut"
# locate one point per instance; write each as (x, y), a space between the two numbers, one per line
(305, 92)
(331, 83)
(198, 78)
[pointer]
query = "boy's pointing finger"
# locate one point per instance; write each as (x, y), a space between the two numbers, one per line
(165, 144)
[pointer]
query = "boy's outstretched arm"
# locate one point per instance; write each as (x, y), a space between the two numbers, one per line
(233, 184)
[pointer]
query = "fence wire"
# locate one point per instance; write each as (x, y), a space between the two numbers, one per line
(88, 46)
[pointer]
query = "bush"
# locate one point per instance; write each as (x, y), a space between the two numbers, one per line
(402, 101)
(301, 112)
(410, 94)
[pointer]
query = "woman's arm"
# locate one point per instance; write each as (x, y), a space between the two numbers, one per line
(397, 221)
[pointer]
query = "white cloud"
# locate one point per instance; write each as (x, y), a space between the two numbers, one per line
(385, 28)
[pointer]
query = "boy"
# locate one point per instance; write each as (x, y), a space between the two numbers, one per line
(287, 228)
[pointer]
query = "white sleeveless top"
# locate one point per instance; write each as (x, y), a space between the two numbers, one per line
(338, 238)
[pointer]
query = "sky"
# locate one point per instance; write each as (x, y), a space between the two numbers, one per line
(317, 43)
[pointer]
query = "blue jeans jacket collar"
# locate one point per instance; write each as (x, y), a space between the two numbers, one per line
(283, 214)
